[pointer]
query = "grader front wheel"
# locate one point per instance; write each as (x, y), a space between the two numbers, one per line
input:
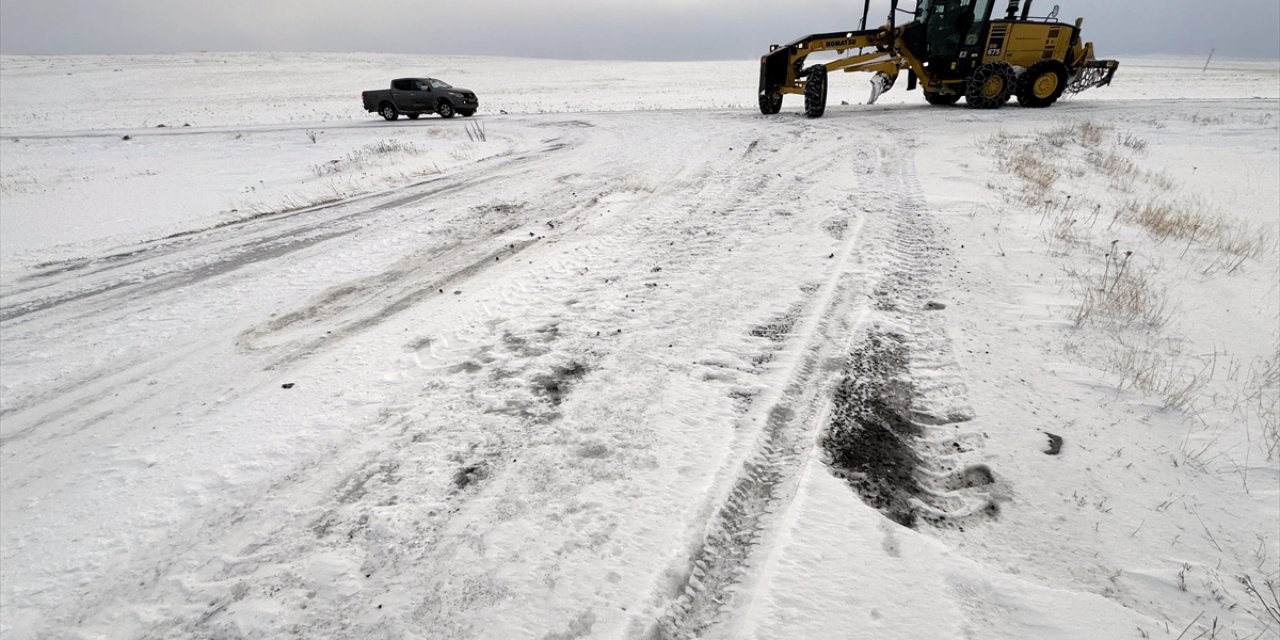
(770, 103)
(815, 92)
(941, 99)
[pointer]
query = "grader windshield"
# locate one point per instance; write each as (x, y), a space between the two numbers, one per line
(951, 23)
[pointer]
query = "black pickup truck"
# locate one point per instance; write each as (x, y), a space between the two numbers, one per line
(416, 96)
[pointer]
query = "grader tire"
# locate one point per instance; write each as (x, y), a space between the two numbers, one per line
(941, 99)
(770, 103)
(815, 92)
(991, 86)
(1042, 84)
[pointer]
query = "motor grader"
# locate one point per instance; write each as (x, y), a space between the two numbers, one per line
(952, 49)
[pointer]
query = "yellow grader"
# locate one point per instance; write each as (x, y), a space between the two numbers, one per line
(952, 49)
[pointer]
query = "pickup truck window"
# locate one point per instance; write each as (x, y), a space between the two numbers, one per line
(404, 85)
(437, 84)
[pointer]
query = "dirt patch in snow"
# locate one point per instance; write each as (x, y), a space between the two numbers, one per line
(470, 474)
(836, 227)
(868, 441)
(554, 386)
(779, 327)
(879, 445)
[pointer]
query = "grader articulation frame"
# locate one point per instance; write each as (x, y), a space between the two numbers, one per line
(953, 49)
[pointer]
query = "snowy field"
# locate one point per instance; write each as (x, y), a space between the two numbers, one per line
(620, 357)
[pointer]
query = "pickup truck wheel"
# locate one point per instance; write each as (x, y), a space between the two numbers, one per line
(413, 116)
(445, 109)
(389, 112)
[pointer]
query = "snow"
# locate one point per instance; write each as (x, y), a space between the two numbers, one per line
(294, 371)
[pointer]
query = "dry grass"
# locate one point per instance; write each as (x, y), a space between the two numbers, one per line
(1189, 220)
(1123, 296)
(383, 147)
(363, 155)
(1161, 180)
(1082, 180)
(1121, 173)
(294, 202)
(1065, 228)
(1032, 168)
(1164, 219)
(1203, 120)
(1131, 141)
(1261, 399)
(1085, 133)
(1266, 598)
(1237, 246)
(1174, 381)
(1090, 133)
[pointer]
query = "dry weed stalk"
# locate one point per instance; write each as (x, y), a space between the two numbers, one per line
(1123, 295)
(362, 155)
(1125, 301)
(1269, 599)
(1188, 220)
(1029, 166)
(1174, 382)
(1113, 164)
(1131, 141)
(1066, 229)
(1262, 396)
(1086, 133)
(1170, 220)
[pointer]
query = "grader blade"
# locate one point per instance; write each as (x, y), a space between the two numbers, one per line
(880, 83)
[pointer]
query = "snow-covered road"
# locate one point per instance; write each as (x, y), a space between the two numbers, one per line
(582, 379)
(470, 374)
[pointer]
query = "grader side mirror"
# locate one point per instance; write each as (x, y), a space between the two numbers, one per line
(1053, 15)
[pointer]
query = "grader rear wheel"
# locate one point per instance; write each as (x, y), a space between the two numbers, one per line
(1042, 84)
(991, 86)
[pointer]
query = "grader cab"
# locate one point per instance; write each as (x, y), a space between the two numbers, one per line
(952, 49)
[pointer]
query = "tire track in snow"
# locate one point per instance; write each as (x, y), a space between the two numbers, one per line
(358, 305)
(189, 258)
(895, 293)
(903, 402)
(763, 485)
(112, 291)
(404, 548)
(655, 216)
(69, 419)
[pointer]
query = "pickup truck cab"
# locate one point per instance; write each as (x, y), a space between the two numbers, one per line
(416, 96)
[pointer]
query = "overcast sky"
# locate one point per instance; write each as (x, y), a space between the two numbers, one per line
(602, 29)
